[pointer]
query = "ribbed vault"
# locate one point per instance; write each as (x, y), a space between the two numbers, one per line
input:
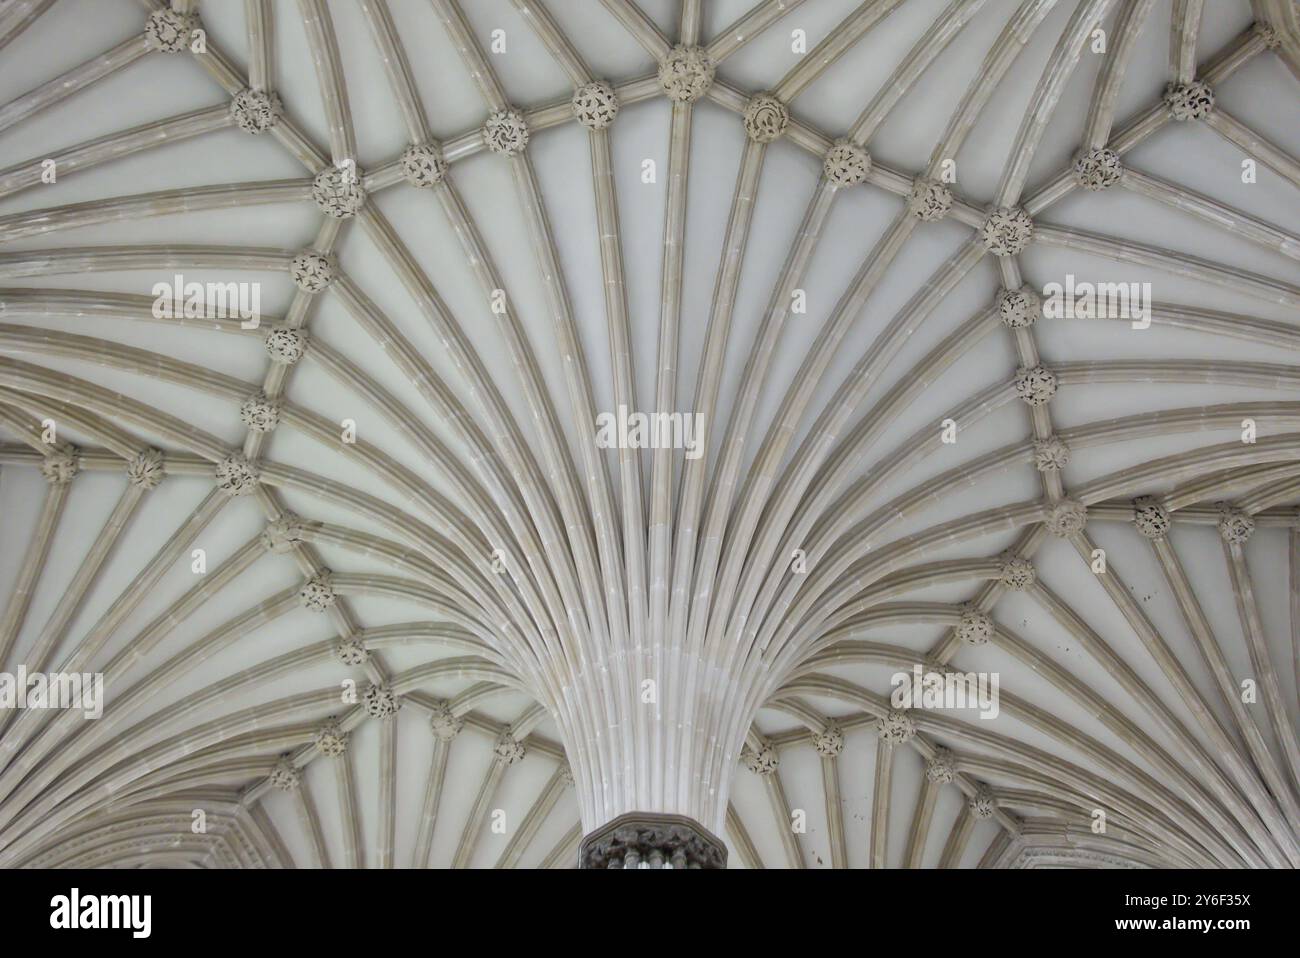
(366, 584)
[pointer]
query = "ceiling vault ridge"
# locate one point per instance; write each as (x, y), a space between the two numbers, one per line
(650, 619)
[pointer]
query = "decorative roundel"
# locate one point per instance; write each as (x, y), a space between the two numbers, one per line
(317, 593)
(445, 723)
(1019, 308)
(1017, 573)
(1067, 518)
(1007, 231)
(1097, 169)
(312, 270)
(846, 164)
(256, 111)
(975, 627)
(259, 413)
(766, 118)
(507, 748)
(379, 701)
(236, 476)
(147, 469)
(506, 132)
(285, 344)
(896, 727)
(352, 652)
(763, 761)
(595, 105)
(829, 741)
(285, 776)
(685, 73)
(1268, 33)
(338, 192)
(423, 164)
(1189, 101)
(168, 31)
(941, 769)
(61, 466)
(929, 200)
(1234, 524)
(1150, 517)
(282, 534)
(1051, 454)
(983, 803)
(1035, 386)
(331, 740)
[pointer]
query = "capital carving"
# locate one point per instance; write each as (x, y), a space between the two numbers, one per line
(652, 840)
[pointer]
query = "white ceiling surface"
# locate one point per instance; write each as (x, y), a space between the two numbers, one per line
(1262, 95)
